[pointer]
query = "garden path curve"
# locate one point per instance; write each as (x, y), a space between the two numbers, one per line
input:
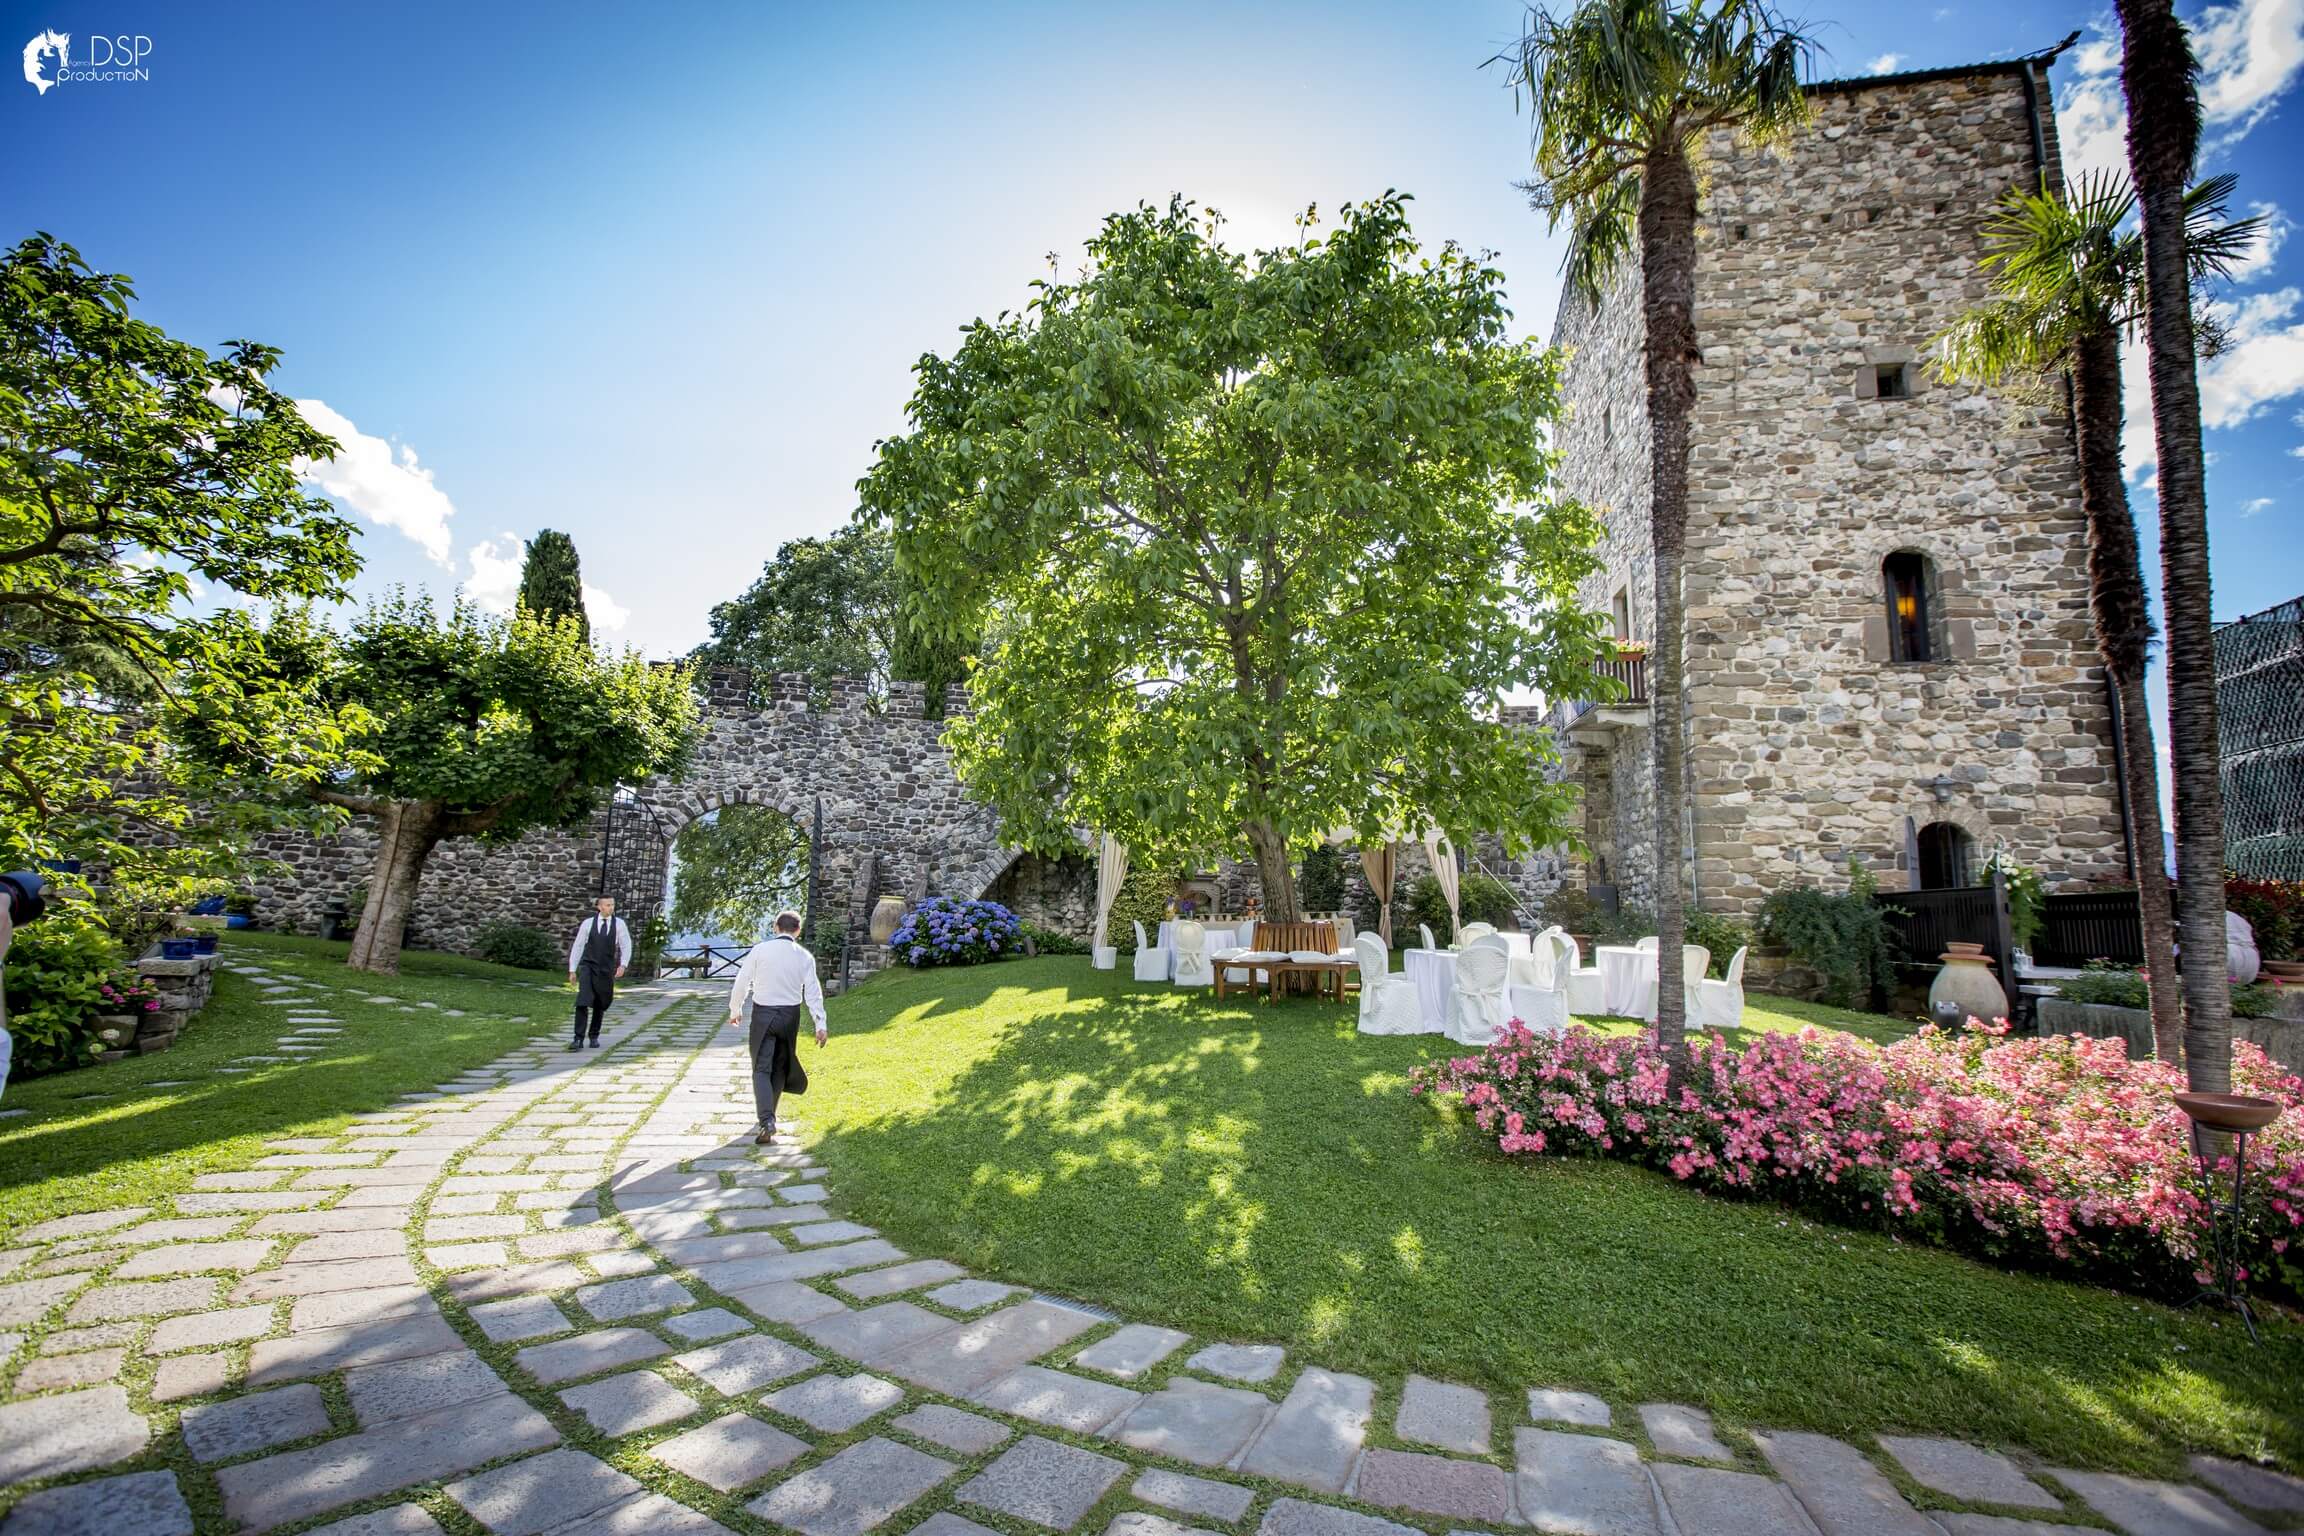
(566, 1294)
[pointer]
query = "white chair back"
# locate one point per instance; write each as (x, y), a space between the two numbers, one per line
(1375, 964)
(1695, 960)
(1343, 927)
(1481, 969)
(1471, 931)
(1427, 932)
(1191, 937)
(1650, 942)
(1559, 961)
(1141, 941)
(1190, 940)
(1489, 940)
(1736, 966)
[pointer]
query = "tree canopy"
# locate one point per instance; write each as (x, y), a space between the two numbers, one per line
(552, 580)
(1250, 542)
(736, 868)
(138, 474)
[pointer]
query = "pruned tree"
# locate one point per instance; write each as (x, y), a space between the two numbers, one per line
(1249, 543)
(734, 869)
(552, 581)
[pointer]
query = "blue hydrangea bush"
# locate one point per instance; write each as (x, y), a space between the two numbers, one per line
(942, 931)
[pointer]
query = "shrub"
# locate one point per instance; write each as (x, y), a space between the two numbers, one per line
(1577, 912)
(530, 949)
(1723, 936)
(2059, 1152)
(943, 931)
(2116, 986)
(1055, 941)
(58, 970)
(1480, 899)
(1143, 899)
(2027, 896)
(1843, 937)
(2274, 908)
(1320, 886)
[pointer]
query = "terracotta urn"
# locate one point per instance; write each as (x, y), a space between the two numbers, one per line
(2286, 972)
(1966, 984)
(887, 912)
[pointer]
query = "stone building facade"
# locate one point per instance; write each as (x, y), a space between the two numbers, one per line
(1888, 650)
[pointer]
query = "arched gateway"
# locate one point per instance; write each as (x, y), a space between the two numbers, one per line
(871, 782)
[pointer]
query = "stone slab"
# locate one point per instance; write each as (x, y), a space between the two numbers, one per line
(1582, 1485)
(1839, 1487)
(875, 1283)
(2145, 1508)
(27, 1301)
(745, 1364)
(973, 1295)
(705, 1324)
(2257, 1487)
(1719, 1502)
(296, 1485)
(629, 1403)
(1967, 1472)
(520, 1317)
(589, 1353)
(319, 1351)
(1239, 1362)
(182, 1376)
(236, 1257)
(399, 1520)
(535, 1495)
(256, 1422)
(1548, 1406)
(1062, 1402)
(1131, 1351)
(1678, 1430)
(1044, 1483)
(67, 1432)
(139, 1504)
(1317, 1433)
(143, 1298)
(345, 1309)
(876, 1335)
(619, 1299)
(404, 1389)
(333, 1275)
(1439, 1413)
(1190, 1495)
(1435, 1485)
(85, 1369)
(946, 1523)
(955, 1429)
(1297, 1517)
(646, 1514)
(1996, 1525)
(1194, 1421)
(963, 1360)
(858, 1490)
(835, 1404)
(730, 1452)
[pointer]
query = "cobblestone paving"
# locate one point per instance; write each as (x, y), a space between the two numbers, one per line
(565, 1295)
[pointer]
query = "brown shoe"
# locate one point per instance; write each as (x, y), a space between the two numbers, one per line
(764, 1138)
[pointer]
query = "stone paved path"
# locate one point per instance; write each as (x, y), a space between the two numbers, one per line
(565, 1295)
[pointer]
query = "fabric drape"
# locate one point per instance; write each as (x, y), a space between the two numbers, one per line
(1111, 873)
(1380, 864)
(1443, 855)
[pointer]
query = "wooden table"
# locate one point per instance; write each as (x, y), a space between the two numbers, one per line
(1320, 971)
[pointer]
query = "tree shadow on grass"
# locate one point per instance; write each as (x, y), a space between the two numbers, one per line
(1252, 1171)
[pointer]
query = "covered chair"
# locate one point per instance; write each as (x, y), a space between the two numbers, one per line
(1721, 1003)
(1471, 931)
(1540, 1001)
(1343, 927)
(1192, 966)
(1586, 995)
(1427, 933)
(1694, 960)
(1152, 962)
(1651, 942)
(1478, 1010)
(1387, 1002)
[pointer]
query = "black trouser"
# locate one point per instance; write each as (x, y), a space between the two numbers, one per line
(775, 1039)
(595, 990)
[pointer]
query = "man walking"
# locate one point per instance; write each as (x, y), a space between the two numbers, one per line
(777, 977)
(602, 949)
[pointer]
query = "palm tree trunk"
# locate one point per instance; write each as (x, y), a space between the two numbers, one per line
(2156, 72)
(1668, 301)
(2123, 617)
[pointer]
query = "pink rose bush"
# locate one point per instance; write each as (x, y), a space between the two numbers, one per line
(2056, 1152)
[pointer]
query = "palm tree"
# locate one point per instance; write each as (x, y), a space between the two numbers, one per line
(2157, 73)
(1623, 93)
(2068, 282)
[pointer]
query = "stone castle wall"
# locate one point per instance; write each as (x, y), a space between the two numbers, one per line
(1849, 248)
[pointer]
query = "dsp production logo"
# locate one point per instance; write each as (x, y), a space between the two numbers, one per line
(108, 60)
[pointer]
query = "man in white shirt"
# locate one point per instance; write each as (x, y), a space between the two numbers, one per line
(777, 978)
(602, 949)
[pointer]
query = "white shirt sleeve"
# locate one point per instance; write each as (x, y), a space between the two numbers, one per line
(576, 950)
(623, 943)
(811, 989)
(741, 993)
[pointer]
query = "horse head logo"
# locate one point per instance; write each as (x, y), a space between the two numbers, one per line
(46, 43)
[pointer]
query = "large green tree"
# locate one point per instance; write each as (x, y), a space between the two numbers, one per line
(138, 474)
(2159, 77)
(1623, 93)
(1250, 542)
(479, 727)
(2068, 282)
(552, 580)
(736, 868)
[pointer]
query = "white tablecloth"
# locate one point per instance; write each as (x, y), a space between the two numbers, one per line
(1218, 938)
(1434, 972)
(1627, 980)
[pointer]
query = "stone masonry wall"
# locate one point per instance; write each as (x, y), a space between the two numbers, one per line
(1846, 249)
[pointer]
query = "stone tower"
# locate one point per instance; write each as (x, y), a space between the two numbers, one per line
(1888, 647)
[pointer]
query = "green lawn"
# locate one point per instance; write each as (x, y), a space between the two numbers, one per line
(1255, 1172)
(74, 1152)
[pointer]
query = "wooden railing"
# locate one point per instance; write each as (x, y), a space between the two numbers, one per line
(2080, 926)
(1629, 668)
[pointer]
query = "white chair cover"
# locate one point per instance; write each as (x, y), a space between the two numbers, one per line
(1152, 962)
(1478, 1011)
(1387, 1002)
(1471, 931)
(1721, 1003)
(1192, 967)
(1695, 959)
(1587, 996)
(1650, 942)
(1427, 932)
(1541, 1003)
(1343, 927)
(1489, 940)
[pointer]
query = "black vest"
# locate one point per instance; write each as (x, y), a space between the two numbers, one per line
(600, 945)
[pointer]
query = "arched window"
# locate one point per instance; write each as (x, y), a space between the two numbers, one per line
(1910, 585)
(1945, 857)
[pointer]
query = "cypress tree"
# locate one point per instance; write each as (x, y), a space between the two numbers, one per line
(552, 583)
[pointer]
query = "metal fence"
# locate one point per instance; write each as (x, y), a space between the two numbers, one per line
(2260, 739)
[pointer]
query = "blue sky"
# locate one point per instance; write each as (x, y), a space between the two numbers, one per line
(657, 276)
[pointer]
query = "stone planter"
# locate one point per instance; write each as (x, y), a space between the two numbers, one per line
(183, 988)
(2282, 1038)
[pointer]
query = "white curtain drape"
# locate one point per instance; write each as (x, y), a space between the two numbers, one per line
(1111, 872)
(1443, 855)
(1380, 864)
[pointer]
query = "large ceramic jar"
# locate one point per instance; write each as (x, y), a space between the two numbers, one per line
(887, 913)
(1967, 984)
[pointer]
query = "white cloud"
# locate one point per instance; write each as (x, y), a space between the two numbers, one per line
(1885, 64)
(2249, 55)
(604, 611)
(2092, 119)
(2262, 362)
(2255, 505)
(390, 489)
(2258, 261)
(495, 580)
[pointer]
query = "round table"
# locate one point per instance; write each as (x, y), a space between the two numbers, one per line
(1434, 973)
(1627, 980)
(1218, 938)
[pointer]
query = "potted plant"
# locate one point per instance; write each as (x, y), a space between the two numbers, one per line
(240, 910)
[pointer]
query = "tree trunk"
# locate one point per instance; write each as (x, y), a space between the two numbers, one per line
(1273, 870)
(407, 832)
(1668, 295)
(2156, 73)
(2123, 617)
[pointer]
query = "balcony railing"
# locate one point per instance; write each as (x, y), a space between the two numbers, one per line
(1629, 668)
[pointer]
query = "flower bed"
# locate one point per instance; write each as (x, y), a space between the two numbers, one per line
(942, 931)
(2057, 1152)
